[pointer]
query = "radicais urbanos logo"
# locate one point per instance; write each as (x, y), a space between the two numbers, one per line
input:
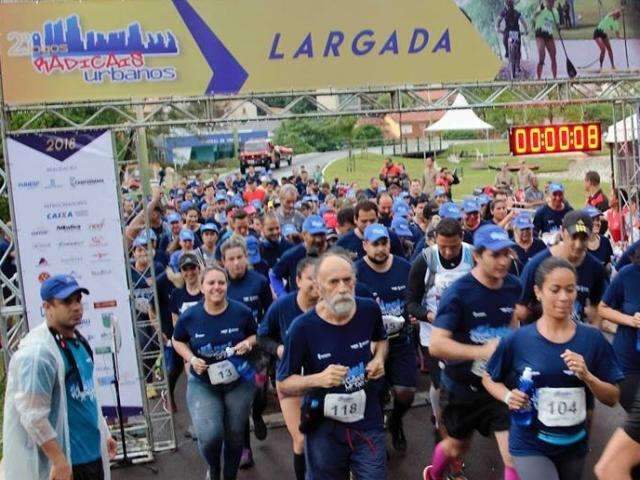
(117, 56)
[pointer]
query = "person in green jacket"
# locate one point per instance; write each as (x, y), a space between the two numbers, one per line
(545, 20)
(608, 25)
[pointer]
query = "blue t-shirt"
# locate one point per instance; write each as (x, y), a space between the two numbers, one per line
(526, 347)
(474, 314)
(604, 252)
(209, 336)
(548, 220)
(181, 300)
(388, 288)
(165, 288)
(252, 290)
(271, 252)
(279, 317)
(592, 281)
(525, 255)
(314, 344)
(625, 259)
(82, 405)
(623, 294)
(350, 241)
(286, 267)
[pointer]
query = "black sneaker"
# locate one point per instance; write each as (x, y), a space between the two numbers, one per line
(398, 440)
(259, 428)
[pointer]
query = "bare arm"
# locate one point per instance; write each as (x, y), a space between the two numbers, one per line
(298, 385)
(607, 393)
(443, 346)
(612, 315)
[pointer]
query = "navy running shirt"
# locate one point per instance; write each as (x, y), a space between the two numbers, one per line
(623, 295)
(604, 252)
(252, 290)
(271, 252)
(388, 288)
(474, 314)
(350, 241)
(209, 336)
(181, 300)
(525, 255)
(526, 347)
(314, 344)
(279, 317)
(286, 267)
(592, 280)
(625, 259)
(548, 220)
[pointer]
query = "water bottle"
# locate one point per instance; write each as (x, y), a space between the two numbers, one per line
(242, 366)
(311, 413)
(638, 340)
(524, 416)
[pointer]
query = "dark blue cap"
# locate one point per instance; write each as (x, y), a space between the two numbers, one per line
(375, 232)
(60, 287)
(492, 237)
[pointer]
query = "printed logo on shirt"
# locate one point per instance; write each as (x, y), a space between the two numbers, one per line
(359, 345)
(398, 288)
(250, 298)
(199, 335)
(323, 356)
(479, 314)
(507, 310)
(355, 378)
(229, 331)
(216, 352)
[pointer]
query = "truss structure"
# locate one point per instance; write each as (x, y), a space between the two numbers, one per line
(133, 118)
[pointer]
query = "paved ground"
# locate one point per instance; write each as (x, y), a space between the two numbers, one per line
(273, 456)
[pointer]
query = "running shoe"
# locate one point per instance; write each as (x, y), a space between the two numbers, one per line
(456, 470)
(259, 428)
(398, 440)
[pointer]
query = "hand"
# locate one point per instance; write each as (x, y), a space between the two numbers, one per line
(61, 470)
(375, 369)
(112, 447)
(280, 351)
(488, 349)
(243, 348)
(413, 320)
(517, 399)
(199, 365)
(576, 364)
(635, 320)
(332, 376)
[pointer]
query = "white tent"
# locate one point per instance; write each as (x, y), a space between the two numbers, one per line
(624, 130)
(459, 119)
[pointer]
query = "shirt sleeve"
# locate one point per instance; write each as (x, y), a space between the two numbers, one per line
(415, 289)
(614, 294)
(180, 332)
(173, 303)
(501, 361)
(450, 311)
(527, 279)
(538, 221)
(294, 352)
(605, 365)
(599, 285)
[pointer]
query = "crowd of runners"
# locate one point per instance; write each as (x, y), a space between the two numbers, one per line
(521, 310)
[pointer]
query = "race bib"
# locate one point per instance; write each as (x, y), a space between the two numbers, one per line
(392, 323)
(223, 372)
(561, 407)
(345, 407)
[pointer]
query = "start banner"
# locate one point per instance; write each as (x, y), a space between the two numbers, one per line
(67, 221)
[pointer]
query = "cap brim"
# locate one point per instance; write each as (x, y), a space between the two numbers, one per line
(318, 231)
(375, 238)
(67, 292)
(500, 245)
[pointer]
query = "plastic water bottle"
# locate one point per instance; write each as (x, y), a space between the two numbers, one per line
(242, 366)
(524, 416)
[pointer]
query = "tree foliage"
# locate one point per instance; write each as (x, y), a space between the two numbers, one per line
(318, 135)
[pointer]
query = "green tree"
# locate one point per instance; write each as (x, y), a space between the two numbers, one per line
(370, 135)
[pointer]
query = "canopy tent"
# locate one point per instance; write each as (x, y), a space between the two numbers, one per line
(624, 130)
(459, 119)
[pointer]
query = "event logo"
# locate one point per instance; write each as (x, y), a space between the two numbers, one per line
(29, 184)
(117, 56)
(68, 228)
(83, 182)
(59, 215)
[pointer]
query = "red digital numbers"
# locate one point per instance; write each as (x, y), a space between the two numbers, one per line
(541, 139)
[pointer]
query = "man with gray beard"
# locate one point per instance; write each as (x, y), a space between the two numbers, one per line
(341, 345)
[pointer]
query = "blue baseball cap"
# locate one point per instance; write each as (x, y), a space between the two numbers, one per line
(450, 210)
(257, 204)
(483, 199)
(186, 205)
(470, 205)
(492, 237)
(592, 211)
(522, 221)
(237, 201)
(140, 241)
(401, 227)
(375, 232)
(186, 234)
(289, 229)
(220, 196)
(60, 287)
(401, 209)
(439, 191)
(209, 227)
(314, 225)
(253, 249)
(556, 187)
(174, 217)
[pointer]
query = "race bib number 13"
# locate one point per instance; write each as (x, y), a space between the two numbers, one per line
(222, 373)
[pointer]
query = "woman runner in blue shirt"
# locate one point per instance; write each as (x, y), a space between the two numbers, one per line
(571, 362)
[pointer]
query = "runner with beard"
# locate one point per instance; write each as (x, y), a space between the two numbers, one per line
(341, 344)
(386, 275)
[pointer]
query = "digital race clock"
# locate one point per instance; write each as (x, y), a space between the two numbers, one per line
(541, 139)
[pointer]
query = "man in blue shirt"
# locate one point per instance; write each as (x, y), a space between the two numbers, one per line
(472, 315)
(387, 276)
(548, 218)
(341, 345)
(272, 244)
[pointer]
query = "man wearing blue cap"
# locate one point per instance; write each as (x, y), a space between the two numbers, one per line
(472, 219)
(53, 423)
(450, 210)
(548, 218)
(400, 226)
(186, 241)
(473, 314)
(526, 244)
(386, 276)
(314, 243)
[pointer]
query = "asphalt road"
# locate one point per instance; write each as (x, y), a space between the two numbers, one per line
(273, 456)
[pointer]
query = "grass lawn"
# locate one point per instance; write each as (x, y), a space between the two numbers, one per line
(367, 165)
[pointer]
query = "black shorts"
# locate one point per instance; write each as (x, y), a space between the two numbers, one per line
(597, 33)
(543, 34)
(628, 390)
(482, 413)
(433, 364)
(89, 471)
(401, 369)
